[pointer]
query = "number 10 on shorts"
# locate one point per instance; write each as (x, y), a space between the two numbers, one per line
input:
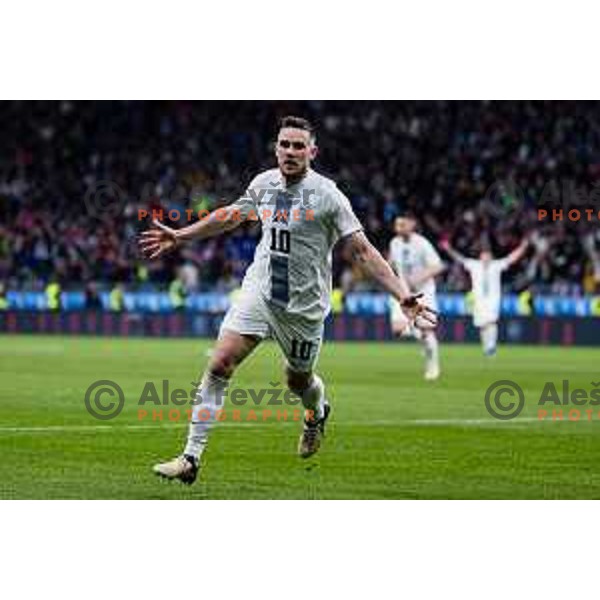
(302, 349)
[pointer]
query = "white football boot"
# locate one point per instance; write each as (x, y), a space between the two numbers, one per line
(184, 468)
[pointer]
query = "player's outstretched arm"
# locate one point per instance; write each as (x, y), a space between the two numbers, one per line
(518, 253)
(426, 274)
(454, 255)
(370, 261)
(162, 239)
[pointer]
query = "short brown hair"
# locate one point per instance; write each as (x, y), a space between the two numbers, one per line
(298, 123)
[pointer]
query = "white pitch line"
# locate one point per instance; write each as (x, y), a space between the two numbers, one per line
(489, 421)
(84, 428)
(233, 424)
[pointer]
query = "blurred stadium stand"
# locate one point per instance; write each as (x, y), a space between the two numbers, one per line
(73, 176)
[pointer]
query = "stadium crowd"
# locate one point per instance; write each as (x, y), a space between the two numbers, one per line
(73, 176)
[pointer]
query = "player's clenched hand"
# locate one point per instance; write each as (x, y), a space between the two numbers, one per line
(157, 241)
(416, 310)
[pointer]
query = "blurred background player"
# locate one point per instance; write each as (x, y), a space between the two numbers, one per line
(486, 275)
(414, 257)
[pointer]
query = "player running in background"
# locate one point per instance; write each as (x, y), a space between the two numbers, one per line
(286, 291)
(412, 256)
(486, 275)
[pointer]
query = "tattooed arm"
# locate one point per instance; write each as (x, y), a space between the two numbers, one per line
(370, 261)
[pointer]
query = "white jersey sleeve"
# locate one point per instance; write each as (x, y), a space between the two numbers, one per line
(345, 221)
(502, 263)
(249, 201)
(470, 264)
(430, 255)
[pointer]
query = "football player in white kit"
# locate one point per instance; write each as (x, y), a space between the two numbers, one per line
(414, 257)
(286, 291)
(486, 286)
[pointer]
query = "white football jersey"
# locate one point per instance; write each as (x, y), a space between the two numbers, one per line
(300, 225)
(412, 256)
(486, 280)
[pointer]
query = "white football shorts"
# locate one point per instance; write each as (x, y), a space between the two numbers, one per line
(485, 313)
(299, 338)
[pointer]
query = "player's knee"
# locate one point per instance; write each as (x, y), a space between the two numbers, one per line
(428, 332)
(400, 329)
(222, 365)
(298, 381)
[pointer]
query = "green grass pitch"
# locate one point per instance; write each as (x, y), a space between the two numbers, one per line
(392, 435)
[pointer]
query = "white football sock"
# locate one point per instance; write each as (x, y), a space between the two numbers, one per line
(489, 337)
(493, 336)
(484, 337)
(313, 397)
(430, 344)
(210, 398)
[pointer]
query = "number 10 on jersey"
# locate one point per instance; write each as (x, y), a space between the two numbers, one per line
(280, 240)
